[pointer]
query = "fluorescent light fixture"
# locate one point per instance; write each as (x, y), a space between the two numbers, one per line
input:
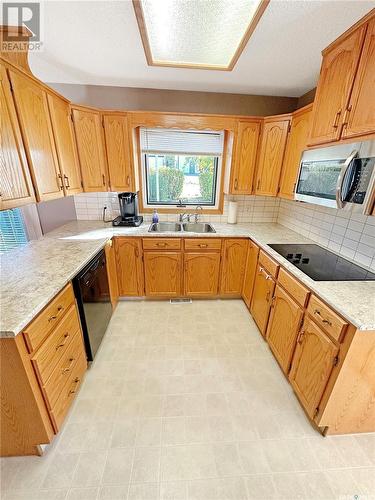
(201, 34)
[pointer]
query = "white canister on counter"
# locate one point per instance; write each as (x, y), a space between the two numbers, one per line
(232, 212)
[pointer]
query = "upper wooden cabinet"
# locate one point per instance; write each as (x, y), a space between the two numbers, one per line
(245, 152)
(312, 364)
(33, 114)
(117, 141)
(89, 137)
(271, 155)
(297, 142)
(337, 74)
(360, 119)
(65, 145)
(234, 262)
(15, 181)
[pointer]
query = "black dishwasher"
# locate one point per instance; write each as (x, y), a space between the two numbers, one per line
(92, 293)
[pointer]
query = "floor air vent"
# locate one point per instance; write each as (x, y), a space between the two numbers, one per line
(180, 301)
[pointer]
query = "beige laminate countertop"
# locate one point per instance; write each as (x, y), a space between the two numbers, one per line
(32, 275)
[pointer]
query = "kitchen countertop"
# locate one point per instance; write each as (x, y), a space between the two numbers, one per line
(32, 275)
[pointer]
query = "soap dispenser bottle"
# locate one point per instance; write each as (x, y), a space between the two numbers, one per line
(155, 217)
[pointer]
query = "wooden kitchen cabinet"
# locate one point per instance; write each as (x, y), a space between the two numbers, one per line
(32, 109)
(313, 361)
(117, 142)
(283, 327)
(89, 138)
(129, 265)
(15, 180)
(264, 287)
(251, 267)
(201, 273)
(244, 162)
(163, 273)
(337, 74)
(112, 272)
(62, 127)
(296, 144)
(233, 268)
(271, 155)
(360, 119)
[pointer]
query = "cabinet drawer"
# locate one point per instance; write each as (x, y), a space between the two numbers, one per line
(203, 244)
(63, 369)
(269, 264)
(69, 391)
(298, 292)
(47, 357)
(326, 318)
(161, 243)
(43, 324)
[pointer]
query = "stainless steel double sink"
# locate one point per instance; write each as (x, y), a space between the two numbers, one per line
(187, 227)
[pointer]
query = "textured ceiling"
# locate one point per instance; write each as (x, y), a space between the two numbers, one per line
(97, 42)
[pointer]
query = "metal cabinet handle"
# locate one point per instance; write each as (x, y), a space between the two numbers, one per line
(300, 336)
(203, 245)
(68, 368)
(337, 117)
(128, 180)
(236, 184)
(258, 184)
(326, 321)
(59, 176)
(59, 309)
(67, 184)
(63, 340)
(161, 244)
(76, 380)
(103, 177)
(266, 275)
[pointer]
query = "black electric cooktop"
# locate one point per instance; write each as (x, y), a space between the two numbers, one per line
(321, 264)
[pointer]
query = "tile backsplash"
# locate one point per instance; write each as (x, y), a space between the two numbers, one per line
(349, 235)
(89, 206)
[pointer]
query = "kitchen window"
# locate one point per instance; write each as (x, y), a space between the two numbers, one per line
(181, 167)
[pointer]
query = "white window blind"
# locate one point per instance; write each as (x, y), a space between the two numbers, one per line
(181, 142)
(12, 230)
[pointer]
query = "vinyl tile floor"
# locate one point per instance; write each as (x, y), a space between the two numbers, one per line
(187, 402)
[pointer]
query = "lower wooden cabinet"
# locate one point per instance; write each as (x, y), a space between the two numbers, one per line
(234, 263)
(129, 266)
(163, 273)
(201, 273)
(283, 327)
(251, 268)
(313, 362)
(262, 296)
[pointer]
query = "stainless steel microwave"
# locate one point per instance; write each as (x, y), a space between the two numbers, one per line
(340, 176)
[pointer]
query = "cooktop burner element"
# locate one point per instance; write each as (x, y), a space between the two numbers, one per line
(321, 264)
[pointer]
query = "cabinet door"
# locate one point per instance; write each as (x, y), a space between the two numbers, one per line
(360, 118)
(129, 266)
(336, 79)
(271, 156)
(118, 152)
(251, 267)
(163, 273)
(32, 108)
(312, 365)
(283, 327)
(201, 275)
(297, 142)
(245, 156)
(89, 137)
(112, 273)
(65, 144)
(15, 181)
(234, 263)
(262, 296)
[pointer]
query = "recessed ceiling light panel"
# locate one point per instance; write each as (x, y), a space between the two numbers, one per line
(204, 34)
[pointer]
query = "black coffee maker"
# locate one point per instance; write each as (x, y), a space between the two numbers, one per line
(128, 210)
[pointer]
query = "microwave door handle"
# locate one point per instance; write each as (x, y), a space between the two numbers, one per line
(341, 177)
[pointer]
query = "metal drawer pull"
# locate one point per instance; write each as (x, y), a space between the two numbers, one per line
(235, 184)
(300, 336)
(68, 368)
(326, 321)
(203, 245)
(63, 341)
(266, 275)
(336, 122)
(161, 244)
(59, 309)
(76, 380)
